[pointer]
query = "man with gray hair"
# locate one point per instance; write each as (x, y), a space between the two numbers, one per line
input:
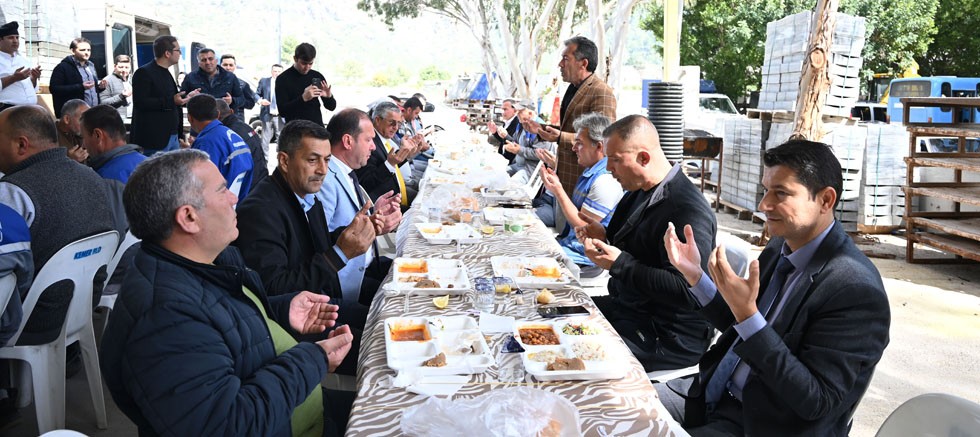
(389, 167)
(195, 345)
(596, 193)
(70, 129)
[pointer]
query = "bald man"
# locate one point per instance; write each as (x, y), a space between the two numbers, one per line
(648, 301)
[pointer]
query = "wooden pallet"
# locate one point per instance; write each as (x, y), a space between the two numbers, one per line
(778, 116)
(742, 213)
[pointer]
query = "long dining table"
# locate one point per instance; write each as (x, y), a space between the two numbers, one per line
(610, 407)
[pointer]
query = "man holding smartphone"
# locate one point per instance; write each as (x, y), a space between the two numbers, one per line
(300, 90)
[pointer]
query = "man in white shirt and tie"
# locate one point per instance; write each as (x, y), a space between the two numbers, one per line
(351, 144)
(389, 166)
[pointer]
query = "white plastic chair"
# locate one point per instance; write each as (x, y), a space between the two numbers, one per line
(77, 262)
(63, 433)
(534, 181)
(933, 414)
(8, 286)
(109, 300)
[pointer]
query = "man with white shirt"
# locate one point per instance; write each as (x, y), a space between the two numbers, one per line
(351, 143)
(15, 89)
(389, 167)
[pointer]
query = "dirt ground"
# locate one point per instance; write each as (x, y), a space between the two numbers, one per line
(935, 328)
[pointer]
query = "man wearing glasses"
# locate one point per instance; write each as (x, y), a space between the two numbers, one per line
(157, 105)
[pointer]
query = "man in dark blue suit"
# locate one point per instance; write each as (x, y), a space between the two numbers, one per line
(269, 111)
(801, 339)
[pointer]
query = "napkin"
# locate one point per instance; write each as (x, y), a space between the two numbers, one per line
(445, 385)
(490, 323)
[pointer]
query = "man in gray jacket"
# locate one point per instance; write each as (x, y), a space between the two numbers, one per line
(118, 89)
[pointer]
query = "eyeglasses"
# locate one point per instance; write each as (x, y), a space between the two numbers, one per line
(174, 50)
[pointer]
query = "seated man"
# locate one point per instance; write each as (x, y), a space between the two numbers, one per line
(596, 193)
(529, 148)
(284, 232)
(510, 131)
(227, 150)
(800, 339)
(104, 135)
(351, 143)
(648, 301)
(195, 346)
(15, 259)
(70, 129)
(389, 168)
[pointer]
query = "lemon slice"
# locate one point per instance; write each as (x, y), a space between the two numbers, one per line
(441, 302)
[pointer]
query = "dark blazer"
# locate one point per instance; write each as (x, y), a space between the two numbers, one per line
(812, 364)
(375, 176)
(642, 278)
(499, 140)
(66, 83)
(265, 91)
(155, 115)
(290, 249)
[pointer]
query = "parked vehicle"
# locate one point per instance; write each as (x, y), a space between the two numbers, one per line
(938, 86)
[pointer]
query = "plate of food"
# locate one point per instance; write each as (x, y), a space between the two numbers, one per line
(551, 354)
(436, 346)
(429, 276)
(504, 194)
(531, 272)
(438, 233)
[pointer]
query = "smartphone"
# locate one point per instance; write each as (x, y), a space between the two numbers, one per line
(552, 312)
(316, 82)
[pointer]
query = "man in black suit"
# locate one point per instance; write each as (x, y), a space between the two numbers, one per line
(388, 168)
(511, 128)
(801, 339)
(158, 116)
(269, 108)
(283, 230)
(648, 302)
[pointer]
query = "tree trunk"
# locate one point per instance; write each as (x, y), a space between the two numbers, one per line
(815, 81)
(618, 26)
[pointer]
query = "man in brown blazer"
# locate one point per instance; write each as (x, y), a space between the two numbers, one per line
(586, 93)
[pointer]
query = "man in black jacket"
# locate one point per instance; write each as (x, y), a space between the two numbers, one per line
(803, 333)
(230, 64)
(648, 301)
(194, 345)
(511, 128)
(75, 77)
(300, 89)
(213, 80)
(158, 116)
(260, 165)
(283, 228)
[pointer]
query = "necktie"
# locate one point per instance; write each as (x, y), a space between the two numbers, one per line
(398, 175)
(723, 373)
(360, 203)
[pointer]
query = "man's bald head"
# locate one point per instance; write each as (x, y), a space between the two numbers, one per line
(635, 157)
(24, 131)
(636, 133)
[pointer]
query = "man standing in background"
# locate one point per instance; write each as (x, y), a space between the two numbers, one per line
(75, 78)
(117, 87)
(230, 64)
(269, 111)
(15, 89)
(300, 89)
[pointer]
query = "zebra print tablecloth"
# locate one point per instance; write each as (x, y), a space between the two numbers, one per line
(628, 406)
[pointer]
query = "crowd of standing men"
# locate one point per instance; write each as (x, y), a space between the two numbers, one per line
(250, 287)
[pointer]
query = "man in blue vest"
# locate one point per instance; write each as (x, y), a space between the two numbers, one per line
(596, 193)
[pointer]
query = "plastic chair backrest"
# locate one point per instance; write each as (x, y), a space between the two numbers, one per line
(77, 262)
(534, 181)
(8, 286)
(128, 242)
(933, 414)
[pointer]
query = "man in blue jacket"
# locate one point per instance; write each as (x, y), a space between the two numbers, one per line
(214, 81)
(227, 150)
(195, 346)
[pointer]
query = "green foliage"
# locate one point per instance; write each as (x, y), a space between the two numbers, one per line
(289, 44)
(727, 37)
(380, 79)
(433, 72)
(351, 70)
(897, 31)
(954, 51)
